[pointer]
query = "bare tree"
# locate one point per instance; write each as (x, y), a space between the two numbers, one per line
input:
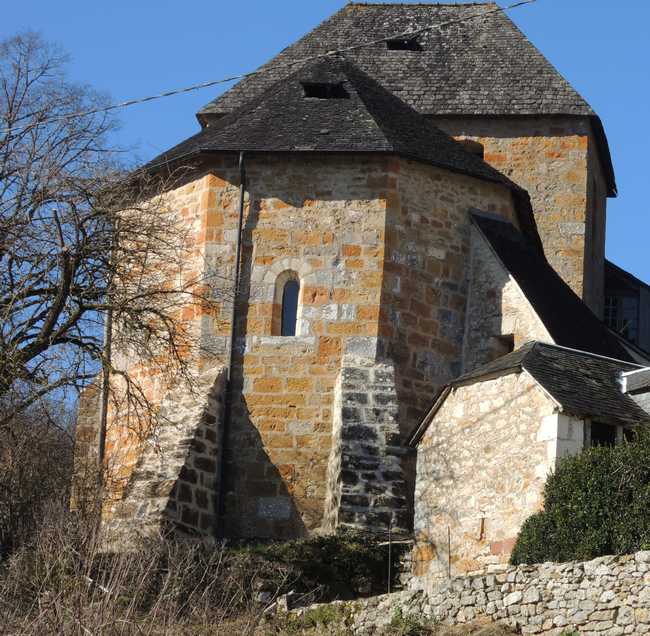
(81, 237)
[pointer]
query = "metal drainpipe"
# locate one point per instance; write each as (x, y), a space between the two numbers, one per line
(227, 407)
(106, 380)
(106, 375)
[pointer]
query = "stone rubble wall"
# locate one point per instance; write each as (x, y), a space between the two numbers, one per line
(366, 487)
(175, 483)
(481, 469)
(608, 596)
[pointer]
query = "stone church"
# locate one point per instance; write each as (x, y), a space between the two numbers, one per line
(424, 224)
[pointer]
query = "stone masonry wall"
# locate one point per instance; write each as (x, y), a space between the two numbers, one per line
(426, 277)
(86, 446)
(174, 485)
(608, 596)
(554, 160)
(380, 248)
(321, 218)
(131, 433)
(366, 487)
(481, 470)
(496, 307)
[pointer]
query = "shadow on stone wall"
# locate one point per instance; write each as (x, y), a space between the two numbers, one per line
(257, 502)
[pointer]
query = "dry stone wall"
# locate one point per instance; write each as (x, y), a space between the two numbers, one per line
(608, 596)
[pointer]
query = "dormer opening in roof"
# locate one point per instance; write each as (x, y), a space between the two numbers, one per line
(325, 90)
(403, 44)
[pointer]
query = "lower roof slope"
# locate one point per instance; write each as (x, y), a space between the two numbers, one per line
(368, 118)
(583, 384)
(566, 317)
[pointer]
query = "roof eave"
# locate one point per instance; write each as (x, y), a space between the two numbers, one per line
(605, 155)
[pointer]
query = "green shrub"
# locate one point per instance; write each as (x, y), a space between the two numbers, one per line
(595, 503)
(345, 565)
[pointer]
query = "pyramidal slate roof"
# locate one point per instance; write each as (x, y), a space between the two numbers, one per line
(566, 317)
(368, 118)
(583, 384)
(482, 66)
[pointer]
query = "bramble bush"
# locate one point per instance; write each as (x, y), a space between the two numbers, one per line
(595, 503)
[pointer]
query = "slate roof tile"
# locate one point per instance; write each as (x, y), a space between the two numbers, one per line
(484, 66)
(585, 385)
(370, 119)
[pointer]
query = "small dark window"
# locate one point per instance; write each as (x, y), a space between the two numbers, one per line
(325, 90)
(630, 435)
(403, 44)
(622, 315)
(290, 308)
(603, 434)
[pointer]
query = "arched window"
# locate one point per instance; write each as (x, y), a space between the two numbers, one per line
(290, 307)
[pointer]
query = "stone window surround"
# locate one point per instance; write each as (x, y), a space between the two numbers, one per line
(268, 283)
(278, 303)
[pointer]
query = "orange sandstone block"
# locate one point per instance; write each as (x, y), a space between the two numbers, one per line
(300, 384)
(315, 296)
(208, 200)
(268, 385)
(351, 250)
(280, 440)
(328, 346)
(368, 313)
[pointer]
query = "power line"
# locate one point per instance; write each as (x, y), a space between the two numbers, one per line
(194, 87)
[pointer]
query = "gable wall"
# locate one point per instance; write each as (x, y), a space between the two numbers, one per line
(496, 306)
(554, 159)
(481, 469)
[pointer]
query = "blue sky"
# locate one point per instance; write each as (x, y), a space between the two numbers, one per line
(132, 48)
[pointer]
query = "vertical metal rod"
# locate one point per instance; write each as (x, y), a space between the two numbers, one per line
(449, 551)
(390, 550)
(106, 383)
(227, 407)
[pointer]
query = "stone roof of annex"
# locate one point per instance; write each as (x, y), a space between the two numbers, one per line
(583, 384)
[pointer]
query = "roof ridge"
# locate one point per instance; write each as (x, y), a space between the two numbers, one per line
(587, 353)
(419, 4)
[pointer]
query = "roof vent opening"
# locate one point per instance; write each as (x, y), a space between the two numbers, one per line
(403, 44)
(325, 90)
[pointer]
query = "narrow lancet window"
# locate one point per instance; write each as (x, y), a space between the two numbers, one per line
(290, 307)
